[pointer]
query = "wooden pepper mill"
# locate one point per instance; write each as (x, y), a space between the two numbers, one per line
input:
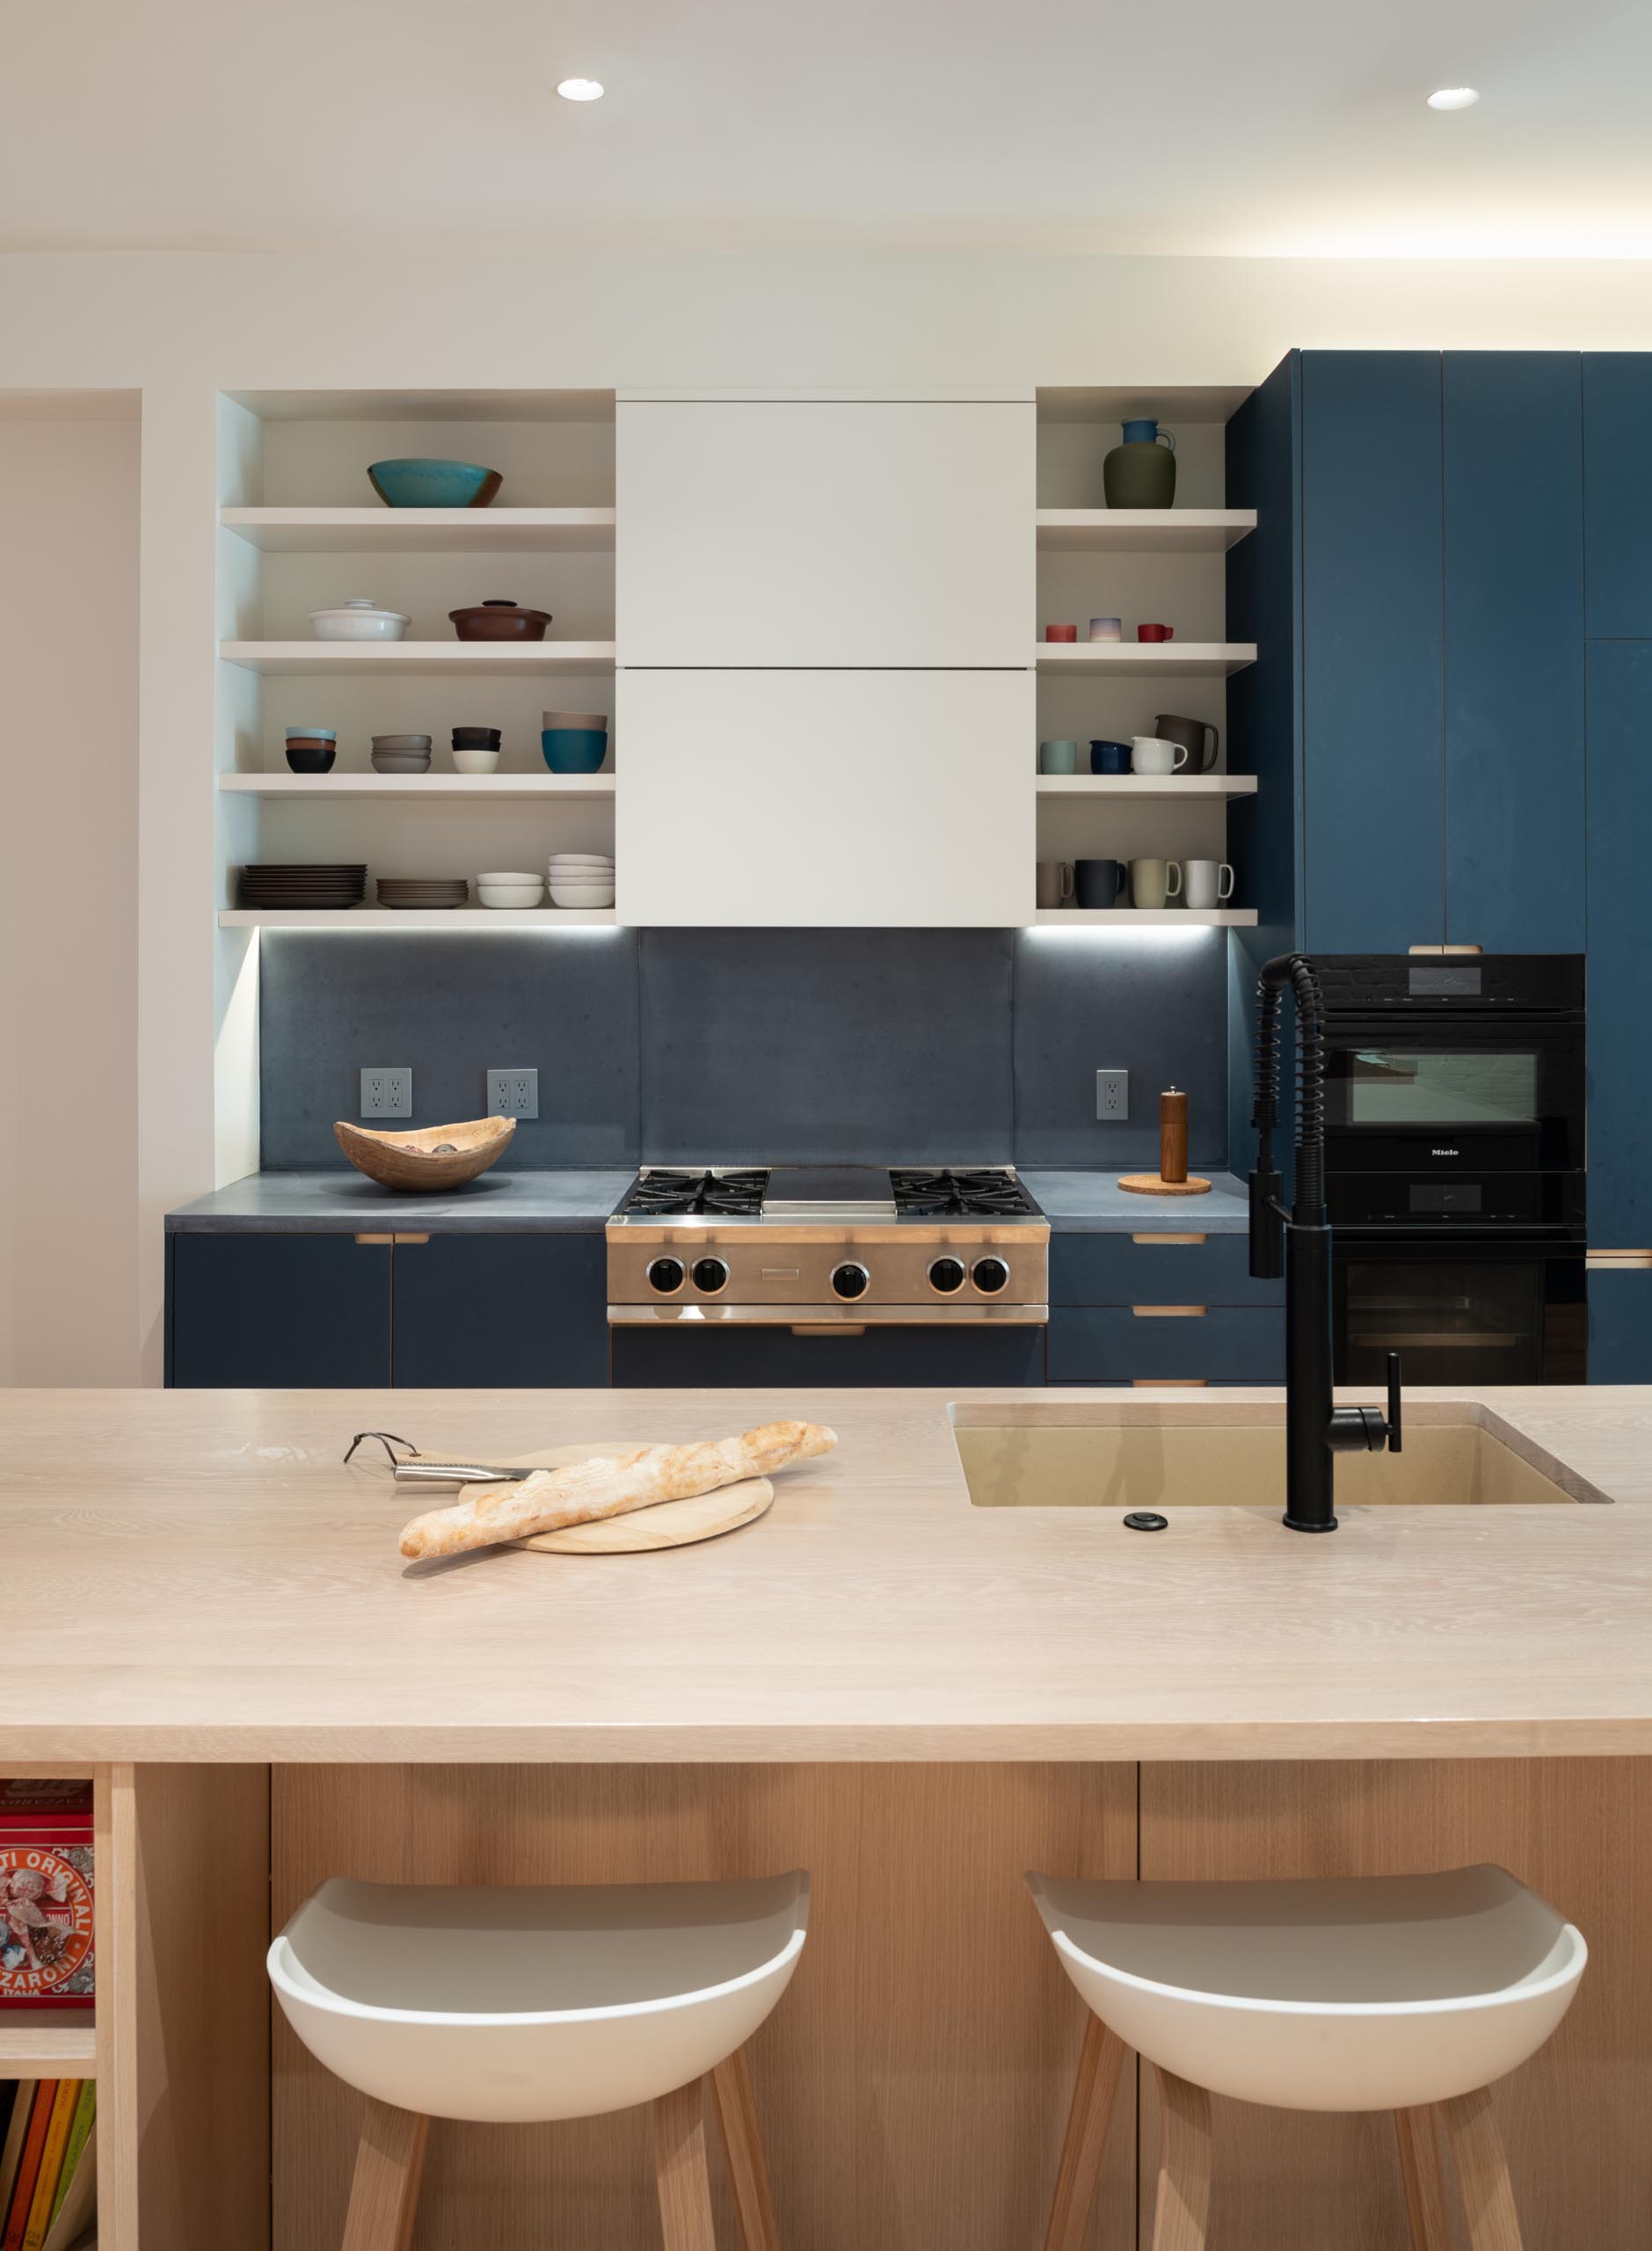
(1173, 1137)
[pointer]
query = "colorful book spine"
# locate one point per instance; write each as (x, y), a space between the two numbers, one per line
(51, 2170)
(79, 2134)
(11, 2147)
(28, 2170)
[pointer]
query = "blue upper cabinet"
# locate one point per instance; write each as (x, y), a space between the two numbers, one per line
(1617, 494)
(1513, 490)
(1619, 950)
(1373, 720)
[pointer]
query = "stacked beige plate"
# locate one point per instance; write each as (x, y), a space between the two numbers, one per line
(581, 879)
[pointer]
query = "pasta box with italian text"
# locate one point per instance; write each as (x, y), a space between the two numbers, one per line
(46, 1895)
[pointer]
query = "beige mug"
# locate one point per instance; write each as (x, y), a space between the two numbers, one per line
(1154, 883)
(1206, 882)
(1055, 883)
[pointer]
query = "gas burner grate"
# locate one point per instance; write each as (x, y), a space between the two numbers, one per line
(944, 1191)
(686, 1195)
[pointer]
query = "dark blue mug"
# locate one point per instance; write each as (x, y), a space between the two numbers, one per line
(1109, 757)
(1099, 883)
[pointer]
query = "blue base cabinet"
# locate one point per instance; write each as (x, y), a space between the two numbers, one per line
(326, 1312)
(683, 1356)
(1150, 1310)
(1620, 1325)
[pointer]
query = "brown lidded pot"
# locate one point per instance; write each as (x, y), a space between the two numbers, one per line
(499, 621)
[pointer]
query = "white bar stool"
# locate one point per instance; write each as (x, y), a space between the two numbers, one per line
(1364, 1993)
(529, 2002)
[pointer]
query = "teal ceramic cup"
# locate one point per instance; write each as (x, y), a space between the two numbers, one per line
(1057, 758)
(574, 750)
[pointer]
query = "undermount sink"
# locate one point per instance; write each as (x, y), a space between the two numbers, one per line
(1137, 1455)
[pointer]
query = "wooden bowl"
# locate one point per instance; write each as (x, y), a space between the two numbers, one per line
(434, 1156)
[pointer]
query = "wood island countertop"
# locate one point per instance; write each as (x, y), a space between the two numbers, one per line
(194, 1576)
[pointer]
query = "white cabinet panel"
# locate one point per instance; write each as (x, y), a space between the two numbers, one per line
(825, 533)
(820, 799)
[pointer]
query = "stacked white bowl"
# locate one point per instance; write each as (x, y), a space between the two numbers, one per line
(509, 890)
(581, 879)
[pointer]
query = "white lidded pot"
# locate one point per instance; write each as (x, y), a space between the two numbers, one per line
(522, 2002)
(358, 620)
(1345, 1994)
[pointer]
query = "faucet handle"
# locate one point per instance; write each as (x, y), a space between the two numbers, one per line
(1393, 1403)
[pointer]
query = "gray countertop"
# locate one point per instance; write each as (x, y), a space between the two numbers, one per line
(329, 1203)
(553, 1203)
(1093, 1203)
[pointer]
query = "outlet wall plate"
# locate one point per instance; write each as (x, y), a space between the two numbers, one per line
(1112, 1096)
(387, 1092)
(513, 1094)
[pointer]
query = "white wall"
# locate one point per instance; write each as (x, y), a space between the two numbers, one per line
(183, 327)
(69, 1249)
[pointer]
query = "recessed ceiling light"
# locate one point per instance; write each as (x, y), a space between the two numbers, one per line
(587, 90)
(1454, 98)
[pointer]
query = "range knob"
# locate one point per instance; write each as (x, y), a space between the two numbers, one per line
(709, 1275)
(850, 1281)
(665, 1275)
(989, 1276)
(946, 1275)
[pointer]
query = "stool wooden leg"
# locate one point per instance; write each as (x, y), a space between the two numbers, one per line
(1093, 2096)
(384, 2194)
(1181, 2214)
(1424, 2181)
(679, 2170)
(1483, 2172)
(743, 2147)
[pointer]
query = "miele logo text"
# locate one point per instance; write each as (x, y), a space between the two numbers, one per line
(1446, 1152)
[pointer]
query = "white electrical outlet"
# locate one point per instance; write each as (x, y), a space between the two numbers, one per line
(1112, 1096)
(513, 1094)
(387, 1092)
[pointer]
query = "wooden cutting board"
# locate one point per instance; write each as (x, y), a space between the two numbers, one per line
(668, 1524)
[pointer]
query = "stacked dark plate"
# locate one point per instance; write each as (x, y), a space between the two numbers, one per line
(423, 890)
(298, 882)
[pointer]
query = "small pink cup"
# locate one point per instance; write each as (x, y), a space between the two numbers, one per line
(1060, 632)
(1155, 632)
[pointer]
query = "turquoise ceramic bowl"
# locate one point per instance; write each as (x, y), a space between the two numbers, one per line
(434, 483)
(574, 750)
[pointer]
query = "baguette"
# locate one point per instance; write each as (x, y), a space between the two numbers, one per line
(609, 1485)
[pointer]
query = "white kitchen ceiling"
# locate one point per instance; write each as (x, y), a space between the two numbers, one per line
(1287, 127)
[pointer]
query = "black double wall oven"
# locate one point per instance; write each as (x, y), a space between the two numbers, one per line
(1455, 1166)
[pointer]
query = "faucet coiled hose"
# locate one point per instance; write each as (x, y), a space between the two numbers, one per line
(1297, 971)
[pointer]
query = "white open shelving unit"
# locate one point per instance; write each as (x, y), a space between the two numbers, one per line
(1164, 565)
(417, 659)
(414, 918)
(483, 789)
(379, 530)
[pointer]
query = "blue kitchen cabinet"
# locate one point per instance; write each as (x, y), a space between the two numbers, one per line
(1513, 512)
(1155, 1269)
(683, 1355)
(1619, 834)
(500, 1311)
(1372, 653)
(1620, 1325)
(1617, 494)
(279, 1312)
(1122, 1344)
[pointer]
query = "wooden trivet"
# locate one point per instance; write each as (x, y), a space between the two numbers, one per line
(1150, 1183)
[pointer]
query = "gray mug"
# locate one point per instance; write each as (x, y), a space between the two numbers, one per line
(1197, 736)
(1099, 883)
(1055, 883)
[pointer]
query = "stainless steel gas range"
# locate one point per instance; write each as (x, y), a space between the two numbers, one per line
(817, 1248)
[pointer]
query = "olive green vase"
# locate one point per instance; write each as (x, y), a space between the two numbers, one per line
(1141, 472)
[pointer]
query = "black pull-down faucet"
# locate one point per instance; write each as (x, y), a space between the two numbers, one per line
(1298, 1244)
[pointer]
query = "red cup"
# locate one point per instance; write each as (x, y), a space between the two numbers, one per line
(1155, 632)
(1060, 632)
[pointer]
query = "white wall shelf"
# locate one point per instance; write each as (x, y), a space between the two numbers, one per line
(452, 659)
(1213, 918)
(1138, 786)
(1144, 659)
(412, 918)
(1143, 531)
(488, 789)
(422, 531)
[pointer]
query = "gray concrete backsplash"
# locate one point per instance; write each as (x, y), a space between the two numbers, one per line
(683, 1046)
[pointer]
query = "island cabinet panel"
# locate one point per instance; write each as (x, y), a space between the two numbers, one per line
(1513, 485)
(912, 2083)
(1578, 1831)
(1618, 512)
(507, 1311)
(1372, 653)
(825, 532)
(279, 1312)
(826, 800)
